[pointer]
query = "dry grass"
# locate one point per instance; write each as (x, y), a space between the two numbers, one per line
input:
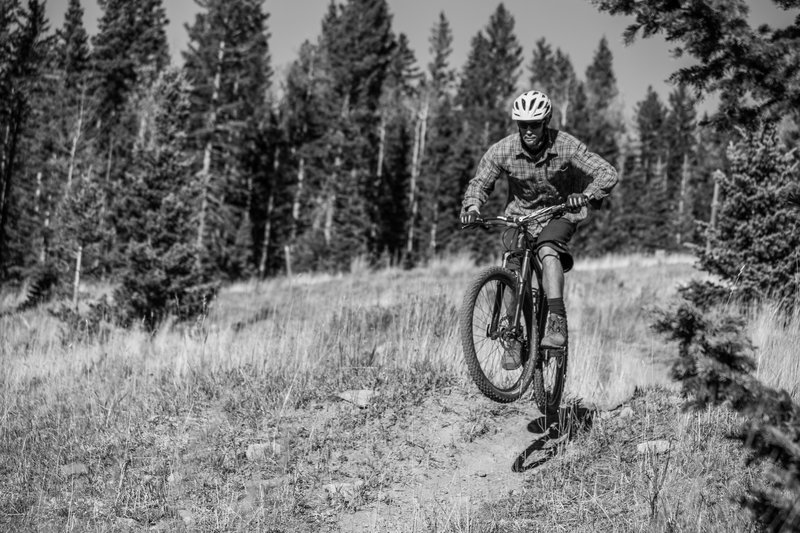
(163, 422)
(776, 339)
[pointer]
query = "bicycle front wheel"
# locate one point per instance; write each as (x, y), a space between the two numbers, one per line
(491, 340)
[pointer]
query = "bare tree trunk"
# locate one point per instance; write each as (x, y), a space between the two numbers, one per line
(682, 199)
(265, 242)
(287, 254)
(77, 281)
(330, 202)
(328, 228)
(109, 159)
(381, 149)
(36, 202)
(206, 171)
(206, 177)
(298, 192)
(416, 165)
(262, 264)
(712, 223)
(434, 244)
(37, 195)
(46, 233)
(75, 139)
(7, 153)
(5, 188)
(376, 185)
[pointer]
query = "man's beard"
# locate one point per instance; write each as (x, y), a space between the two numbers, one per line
(537, 145)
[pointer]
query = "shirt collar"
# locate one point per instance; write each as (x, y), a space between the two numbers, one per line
(549, 150)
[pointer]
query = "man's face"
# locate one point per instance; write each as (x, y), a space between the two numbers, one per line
(531, 132)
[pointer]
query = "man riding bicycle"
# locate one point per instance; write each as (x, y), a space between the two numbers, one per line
(544, 167)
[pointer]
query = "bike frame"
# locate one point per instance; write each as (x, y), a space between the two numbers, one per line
(530, 271)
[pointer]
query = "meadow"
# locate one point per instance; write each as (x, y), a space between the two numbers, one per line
(341, 402)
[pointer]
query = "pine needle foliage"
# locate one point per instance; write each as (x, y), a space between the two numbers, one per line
(162, 276)
(755, 244)
(714, 365)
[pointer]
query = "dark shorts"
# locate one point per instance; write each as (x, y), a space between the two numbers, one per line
(556, 234)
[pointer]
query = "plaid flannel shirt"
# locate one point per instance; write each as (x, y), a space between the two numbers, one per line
(563, 168)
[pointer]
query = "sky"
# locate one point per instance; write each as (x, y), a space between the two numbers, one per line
(574, 26)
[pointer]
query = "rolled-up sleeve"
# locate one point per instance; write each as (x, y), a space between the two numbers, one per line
(482, 185)
(604, 176)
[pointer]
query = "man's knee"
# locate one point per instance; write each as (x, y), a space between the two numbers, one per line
(548, 254)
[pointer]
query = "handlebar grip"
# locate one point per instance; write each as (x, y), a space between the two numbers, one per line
(478, 222)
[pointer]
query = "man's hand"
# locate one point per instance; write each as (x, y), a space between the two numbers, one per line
(470, 216)
(577, 200)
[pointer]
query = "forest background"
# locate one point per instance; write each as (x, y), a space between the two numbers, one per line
(169, 180)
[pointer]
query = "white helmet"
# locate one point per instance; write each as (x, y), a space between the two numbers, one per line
(531, 105)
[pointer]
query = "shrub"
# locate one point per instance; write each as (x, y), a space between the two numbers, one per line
(714, 365)
(756, 242)
(156, 285)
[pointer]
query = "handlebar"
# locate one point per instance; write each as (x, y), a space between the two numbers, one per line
(518, 222)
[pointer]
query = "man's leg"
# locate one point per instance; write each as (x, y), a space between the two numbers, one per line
(553, 281)
(552, 272)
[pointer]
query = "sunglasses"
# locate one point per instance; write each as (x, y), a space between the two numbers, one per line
(533, 125)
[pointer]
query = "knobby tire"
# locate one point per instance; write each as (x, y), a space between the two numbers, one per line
(550, 369)
(482, 354)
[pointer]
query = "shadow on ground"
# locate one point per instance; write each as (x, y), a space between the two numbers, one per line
(554, 429)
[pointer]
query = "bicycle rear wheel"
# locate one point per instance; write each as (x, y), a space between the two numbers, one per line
(550, 369)
(487, 334)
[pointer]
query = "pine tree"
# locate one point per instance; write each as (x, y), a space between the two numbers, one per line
(73, 47)
(755, 72)
(597, 121)
(59, 148)
(679, 130)
(358, 44)
(130, 48)
(357, 47)
(489, 79)
(306, 113)
(711, 160)
(605, 122)
(72, 103)
(648, 217)
(440, 44)
(402, 131)
(755, 245)
(488, 86)
(439, 189)
(161, 276)
(553, 74)
(25, 49)
(228, 66)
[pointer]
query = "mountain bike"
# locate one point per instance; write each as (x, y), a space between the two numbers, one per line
(504, 309)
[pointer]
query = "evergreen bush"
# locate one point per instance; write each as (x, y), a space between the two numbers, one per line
(755, 244)
(714, 365)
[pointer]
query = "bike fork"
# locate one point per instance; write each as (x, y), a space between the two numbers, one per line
(522, 287)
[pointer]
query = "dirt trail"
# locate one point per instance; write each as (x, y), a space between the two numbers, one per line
(470, 445)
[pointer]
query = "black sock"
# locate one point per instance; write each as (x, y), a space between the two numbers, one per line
(556, 306)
